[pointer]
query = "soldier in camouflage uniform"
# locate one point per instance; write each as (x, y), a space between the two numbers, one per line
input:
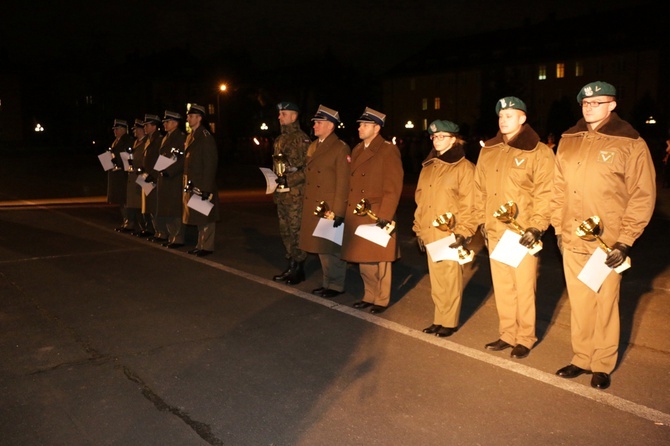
(293, 144)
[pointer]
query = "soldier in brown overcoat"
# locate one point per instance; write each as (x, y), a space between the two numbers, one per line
(171, 182)
(116, 177)
(326, 179)
(376, 175)
(200, 164)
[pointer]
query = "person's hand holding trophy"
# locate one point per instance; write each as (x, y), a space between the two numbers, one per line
(322, 210)
(530, 237)
(279, 163)
(446, 223)
(363, 208)
(617, 255)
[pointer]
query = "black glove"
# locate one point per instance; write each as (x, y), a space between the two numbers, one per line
(204, 196)
(460, 241)
(150, 179)
(281, 181)
(559, 242)
(382, 223)
(530, 237)
(422, 246)
(164, 174)
(338, 221)
(617, 256)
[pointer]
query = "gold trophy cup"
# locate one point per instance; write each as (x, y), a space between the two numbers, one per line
(322, 210)
(446, 223)
(279, 163)
(506, 214)
(363, 208)
(590, 230)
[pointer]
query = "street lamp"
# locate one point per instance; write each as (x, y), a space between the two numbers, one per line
(222, 89)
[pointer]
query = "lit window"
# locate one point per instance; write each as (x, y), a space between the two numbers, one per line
(437, 103)
(579, 69)
(560, 70)
(542, 72)
(210, 109)
(424, 104)
(89, 100)
(425, 124)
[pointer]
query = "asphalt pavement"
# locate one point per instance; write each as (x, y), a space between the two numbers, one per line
(108, 339)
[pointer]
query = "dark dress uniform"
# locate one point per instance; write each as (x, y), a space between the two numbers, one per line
(151, 149)
(116, 179)
(170, 188)
(200, 164)
(133, 190)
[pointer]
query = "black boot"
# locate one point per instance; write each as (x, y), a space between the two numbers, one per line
(284, 275)
(297, 274)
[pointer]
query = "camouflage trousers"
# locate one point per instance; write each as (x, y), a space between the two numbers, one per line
(289, 211)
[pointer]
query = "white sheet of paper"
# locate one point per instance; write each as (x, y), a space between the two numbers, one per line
(146, 187)
(200, 205)
(508, 250)
(270, 178)
(324, 229)
(439, 250)
(124, 160)
(163, 162)
(106, 160)
(373, 233)
(595, 271)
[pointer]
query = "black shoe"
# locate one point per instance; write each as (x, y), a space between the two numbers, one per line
(281, 277)
(377, 309)
(194, 251)
(600, 380)
(123, 229)
(498, 345)
(158, 239)
(432, 329)
(144, 234)
(329, 294)
(173, 245)
(297, 274)
(361, 304)
(571, 371)
(520, 351)
(445, 332)
(203, 253)
(318, 291)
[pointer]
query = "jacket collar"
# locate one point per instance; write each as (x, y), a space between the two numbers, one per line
(526, 139)
(290, 128)
(456, 153)
(613, 126)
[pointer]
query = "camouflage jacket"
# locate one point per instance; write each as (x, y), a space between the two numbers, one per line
(293, 143)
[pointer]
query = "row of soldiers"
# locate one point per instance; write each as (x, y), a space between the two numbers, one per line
(159, 210)
(600, 185)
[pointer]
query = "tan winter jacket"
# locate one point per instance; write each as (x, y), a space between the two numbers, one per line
(446, 184)
(520, 170)
(606, 172)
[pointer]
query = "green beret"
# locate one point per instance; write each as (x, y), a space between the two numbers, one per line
(597, 88)
(510, 102)
(443, 126)
(288, 106)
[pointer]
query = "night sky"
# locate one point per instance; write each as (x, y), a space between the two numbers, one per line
(371, 36)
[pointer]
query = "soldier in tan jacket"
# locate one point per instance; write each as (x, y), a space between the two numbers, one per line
(326, 180)
(446, 184)
(376, 175)
(604, 169)
(514, 166)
